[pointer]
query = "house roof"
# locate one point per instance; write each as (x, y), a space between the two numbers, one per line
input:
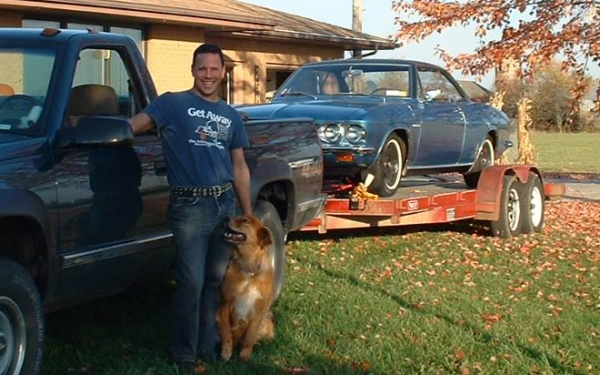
(290, 26)
(235, 18)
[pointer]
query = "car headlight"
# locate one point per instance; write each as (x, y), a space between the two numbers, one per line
(331, 133)
(355, 134)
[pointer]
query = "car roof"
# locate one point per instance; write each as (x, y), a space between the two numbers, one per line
(371, 62)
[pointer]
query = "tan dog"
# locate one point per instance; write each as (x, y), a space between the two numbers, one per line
(247, 290)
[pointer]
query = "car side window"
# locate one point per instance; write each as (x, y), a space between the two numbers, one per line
(435, 86)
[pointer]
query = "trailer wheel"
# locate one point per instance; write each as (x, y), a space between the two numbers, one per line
(21, 321)
(267, 213)
(485, 158)
(510, 221)
(387, 169)
(532, 204)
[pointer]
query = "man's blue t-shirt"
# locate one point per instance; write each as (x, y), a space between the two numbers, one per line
(198, 136)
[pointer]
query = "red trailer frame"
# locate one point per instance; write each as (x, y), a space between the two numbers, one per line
(445, 200)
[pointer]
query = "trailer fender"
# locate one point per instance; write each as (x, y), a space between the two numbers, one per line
(489, 190)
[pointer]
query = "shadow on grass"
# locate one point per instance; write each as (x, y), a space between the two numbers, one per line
(471, 227)
(127, 334)
(478, 333)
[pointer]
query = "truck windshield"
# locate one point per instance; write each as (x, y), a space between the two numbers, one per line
(24, 82)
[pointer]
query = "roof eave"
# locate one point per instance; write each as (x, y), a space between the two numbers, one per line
(157, 14)
(348, 43)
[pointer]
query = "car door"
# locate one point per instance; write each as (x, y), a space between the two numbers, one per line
(442, 122)
(112, 198)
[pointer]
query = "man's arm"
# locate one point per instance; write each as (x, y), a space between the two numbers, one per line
(141, 123)
(241, 180)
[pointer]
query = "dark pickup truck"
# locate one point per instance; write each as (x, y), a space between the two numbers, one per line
(83, 202)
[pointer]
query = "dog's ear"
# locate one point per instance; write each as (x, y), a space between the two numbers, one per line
(264, 236)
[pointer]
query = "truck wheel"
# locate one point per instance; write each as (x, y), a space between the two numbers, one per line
(21, 321)
(387, 169)
(510, 221)
(532, 204)
(485, 158)
(270, 218)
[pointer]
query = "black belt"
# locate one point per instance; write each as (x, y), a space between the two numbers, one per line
(192, 192)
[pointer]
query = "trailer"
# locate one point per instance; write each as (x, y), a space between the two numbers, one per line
(510, 197)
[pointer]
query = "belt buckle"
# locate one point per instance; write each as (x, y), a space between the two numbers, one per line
(217, 191)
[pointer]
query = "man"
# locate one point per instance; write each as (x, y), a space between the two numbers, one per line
(203, 139)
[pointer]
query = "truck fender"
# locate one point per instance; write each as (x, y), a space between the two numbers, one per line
(26, 204)
(274, 173)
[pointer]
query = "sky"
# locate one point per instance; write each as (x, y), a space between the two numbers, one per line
(378, 20)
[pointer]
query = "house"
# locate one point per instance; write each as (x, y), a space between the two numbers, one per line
(262, 46)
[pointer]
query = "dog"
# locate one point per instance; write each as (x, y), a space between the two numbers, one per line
(247, 291)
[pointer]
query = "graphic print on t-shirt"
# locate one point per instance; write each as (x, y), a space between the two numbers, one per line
(214, 130)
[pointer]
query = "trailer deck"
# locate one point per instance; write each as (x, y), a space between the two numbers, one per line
(435, 199)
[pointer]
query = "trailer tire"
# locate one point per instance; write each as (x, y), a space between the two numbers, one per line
(511, 217)
(532, 204)
(269, 216)
(21, 321)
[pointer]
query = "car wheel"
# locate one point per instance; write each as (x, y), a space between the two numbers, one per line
(267, 213)
(387, 169)
(532, 204)
(510, 221)
(485, 158)
(21, 321)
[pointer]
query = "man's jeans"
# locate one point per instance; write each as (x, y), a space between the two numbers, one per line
(200, 264)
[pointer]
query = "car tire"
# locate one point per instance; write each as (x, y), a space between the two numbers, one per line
(269, 216)
(21, 321)
(387, 170)
(532, 204)
(509, 223)
(485, 158)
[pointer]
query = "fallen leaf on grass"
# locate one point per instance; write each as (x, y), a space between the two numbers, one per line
(364, 366)
(295, 370)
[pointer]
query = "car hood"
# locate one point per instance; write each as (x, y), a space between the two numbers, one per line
(338, 110)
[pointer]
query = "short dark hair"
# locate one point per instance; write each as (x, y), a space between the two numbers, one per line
(209, 48)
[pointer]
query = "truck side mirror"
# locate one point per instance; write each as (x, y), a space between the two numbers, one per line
(97, 131)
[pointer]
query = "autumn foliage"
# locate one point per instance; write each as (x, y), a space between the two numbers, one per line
(529, 33)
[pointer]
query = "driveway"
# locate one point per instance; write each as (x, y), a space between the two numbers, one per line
(579, 186)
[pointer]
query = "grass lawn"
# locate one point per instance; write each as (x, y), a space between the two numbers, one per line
(408, 300)
(567, 152)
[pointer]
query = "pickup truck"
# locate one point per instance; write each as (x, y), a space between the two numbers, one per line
(83, 202)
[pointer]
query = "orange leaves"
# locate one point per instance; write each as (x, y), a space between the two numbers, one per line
(531, 32)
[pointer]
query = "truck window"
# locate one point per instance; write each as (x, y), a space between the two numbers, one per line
(104, 67)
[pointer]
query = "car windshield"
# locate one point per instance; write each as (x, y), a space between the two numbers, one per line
(347, 79)
(24, 82)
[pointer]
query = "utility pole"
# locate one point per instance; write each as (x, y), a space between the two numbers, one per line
(357, 11)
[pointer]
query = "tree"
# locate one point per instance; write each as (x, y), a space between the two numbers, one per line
(528, 32)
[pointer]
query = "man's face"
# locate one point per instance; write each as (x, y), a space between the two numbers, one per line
(208, 73)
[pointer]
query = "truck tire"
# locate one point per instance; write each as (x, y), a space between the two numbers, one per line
(532, 204)
(21, 321)
(267, 213)
(511, 217)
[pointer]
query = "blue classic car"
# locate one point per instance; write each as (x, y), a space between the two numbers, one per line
(381, 119)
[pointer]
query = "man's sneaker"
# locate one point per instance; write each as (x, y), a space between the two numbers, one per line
(185, 367)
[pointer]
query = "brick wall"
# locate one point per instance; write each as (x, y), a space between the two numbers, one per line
(169, 56)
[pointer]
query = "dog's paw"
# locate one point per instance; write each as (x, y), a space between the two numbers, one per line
(226, 353)
(245, 354)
